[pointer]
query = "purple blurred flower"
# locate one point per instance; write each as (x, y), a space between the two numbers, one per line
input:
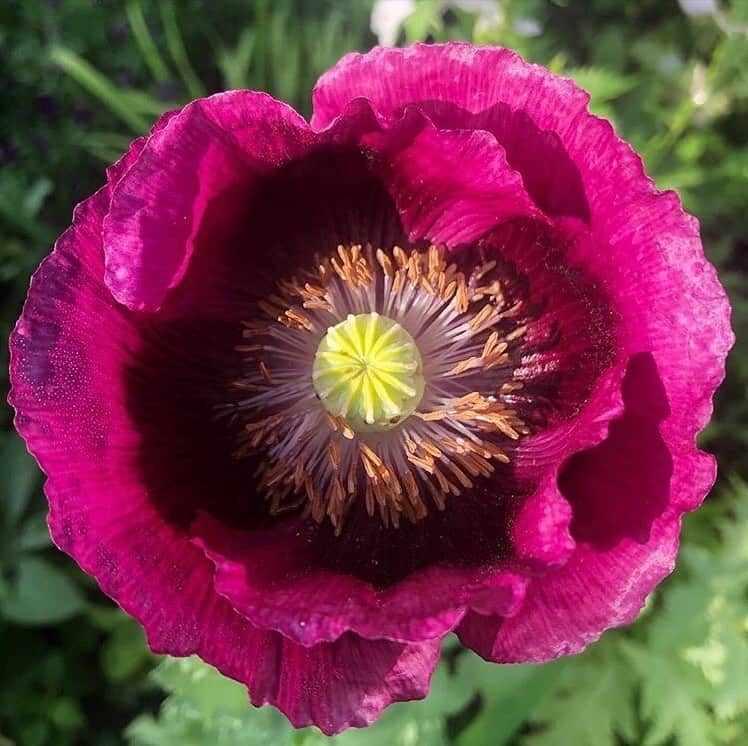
(548, 317)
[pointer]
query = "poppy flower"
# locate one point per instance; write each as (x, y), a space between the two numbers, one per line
(311, 395)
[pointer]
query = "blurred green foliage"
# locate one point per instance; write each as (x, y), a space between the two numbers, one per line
(83, 78)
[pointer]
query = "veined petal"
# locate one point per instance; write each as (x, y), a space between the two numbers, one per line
(271, 579)
(156, 209)
(72, 354)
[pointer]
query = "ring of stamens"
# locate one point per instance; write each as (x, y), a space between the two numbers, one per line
(448, 434)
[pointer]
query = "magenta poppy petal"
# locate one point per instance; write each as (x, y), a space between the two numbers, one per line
(460, 86)
(625, 531)
(248, 238)
(451, 186)
(475, 78)
(540, 531)
(166, 585)
(670, 301)
(566, 610)
(652, 267)
(69, 350)
(268, 577)
(156, 211)
(335, 685)
(634, 450)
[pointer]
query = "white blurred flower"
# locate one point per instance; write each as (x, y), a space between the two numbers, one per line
(699, 88)
(489, 12)
(527, 27)
(701, 8)
(387, 17)
(698, 7)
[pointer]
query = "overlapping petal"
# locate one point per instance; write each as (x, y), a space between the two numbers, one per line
(72, 353)
(451, 186)
(284, 591)
(194, 183)
(644, 253)
(156, 211)
(460, 86)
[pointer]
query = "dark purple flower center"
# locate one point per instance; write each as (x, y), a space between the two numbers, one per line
(411, 400)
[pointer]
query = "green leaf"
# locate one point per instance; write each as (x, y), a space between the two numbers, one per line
(66, 714)
(109, 146)
(671, 699)
(99, 85)
(144, 40)
(720, 652)
(177, 50)
(200, 685)
(234, 63)
(693, 661)
(36, 196)
(602, 83)
(34, 533)
(206, 709)
(20, 475)
(147, 105)
(594, 702)
(510, 694)
(423, 21)
(41, 594)
(125, 652)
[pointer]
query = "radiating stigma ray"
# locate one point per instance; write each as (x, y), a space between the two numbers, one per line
(369, 371)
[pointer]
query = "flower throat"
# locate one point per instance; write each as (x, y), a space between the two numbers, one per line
(379, 377)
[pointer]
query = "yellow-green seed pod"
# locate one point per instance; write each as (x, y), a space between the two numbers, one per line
(368, 370)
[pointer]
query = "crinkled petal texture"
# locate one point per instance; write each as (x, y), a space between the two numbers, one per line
(627, 466)
(124, 356)
(103, 395)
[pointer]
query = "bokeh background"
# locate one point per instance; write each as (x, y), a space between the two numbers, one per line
(80, 79)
